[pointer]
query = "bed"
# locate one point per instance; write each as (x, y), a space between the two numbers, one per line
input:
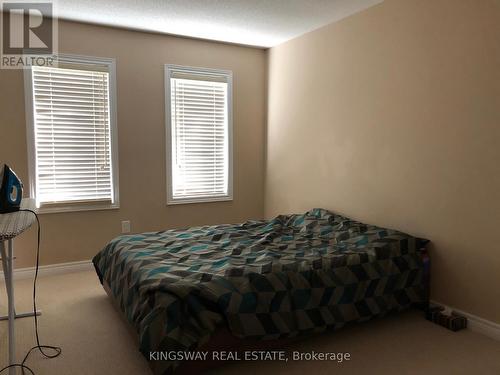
(287, 277)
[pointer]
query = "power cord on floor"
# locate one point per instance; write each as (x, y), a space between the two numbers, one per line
(56, 350)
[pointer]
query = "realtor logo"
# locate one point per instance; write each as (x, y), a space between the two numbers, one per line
(29, 34)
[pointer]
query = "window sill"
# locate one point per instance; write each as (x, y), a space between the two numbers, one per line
(77, 208)
(172, 202)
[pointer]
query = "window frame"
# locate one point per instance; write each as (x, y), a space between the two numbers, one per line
(228, 75)
(91, 205)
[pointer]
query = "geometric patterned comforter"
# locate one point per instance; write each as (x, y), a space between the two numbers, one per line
(292, 275)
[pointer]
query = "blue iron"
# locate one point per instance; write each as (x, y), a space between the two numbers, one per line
(11, 191)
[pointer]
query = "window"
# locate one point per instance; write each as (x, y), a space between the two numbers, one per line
(72, 134)
(199, 134)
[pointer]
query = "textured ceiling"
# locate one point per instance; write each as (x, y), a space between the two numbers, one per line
(262, 23)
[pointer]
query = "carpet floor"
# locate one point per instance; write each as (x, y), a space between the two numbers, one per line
(78, 316)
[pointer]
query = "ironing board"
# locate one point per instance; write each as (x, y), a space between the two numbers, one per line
(12, 225)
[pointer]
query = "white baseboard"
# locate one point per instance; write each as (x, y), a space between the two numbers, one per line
(477, 324)
(51, 269)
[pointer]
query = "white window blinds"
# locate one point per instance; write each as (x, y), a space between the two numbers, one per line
(200, 135)
(71, 113)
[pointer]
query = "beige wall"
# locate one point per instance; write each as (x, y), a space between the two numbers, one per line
(392, 116)
(140, 58)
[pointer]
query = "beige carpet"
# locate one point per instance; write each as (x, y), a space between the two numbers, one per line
(78, 316)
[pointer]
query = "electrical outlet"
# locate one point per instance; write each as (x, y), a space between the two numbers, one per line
(126, 226)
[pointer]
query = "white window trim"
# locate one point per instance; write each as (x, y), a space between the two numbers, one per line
(30, 135)
(169, 69)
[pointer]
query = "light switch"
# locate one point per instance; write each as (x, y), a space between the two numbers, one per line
(126, 226)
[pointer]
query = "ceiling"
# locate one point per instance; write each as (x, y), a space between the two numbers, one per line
(260, 23)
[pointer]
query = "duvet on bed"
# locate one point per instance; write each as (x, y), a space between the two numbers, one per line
(294, 274)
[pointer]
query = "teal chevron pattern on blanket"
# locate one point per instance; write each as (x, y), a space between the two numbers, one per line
(292, 275)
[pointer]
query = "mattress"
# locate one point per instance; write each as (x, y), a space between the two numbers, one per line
(292, 275)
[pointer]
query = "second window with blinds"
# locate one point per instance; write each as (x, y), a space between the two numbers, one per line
(199, 134)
